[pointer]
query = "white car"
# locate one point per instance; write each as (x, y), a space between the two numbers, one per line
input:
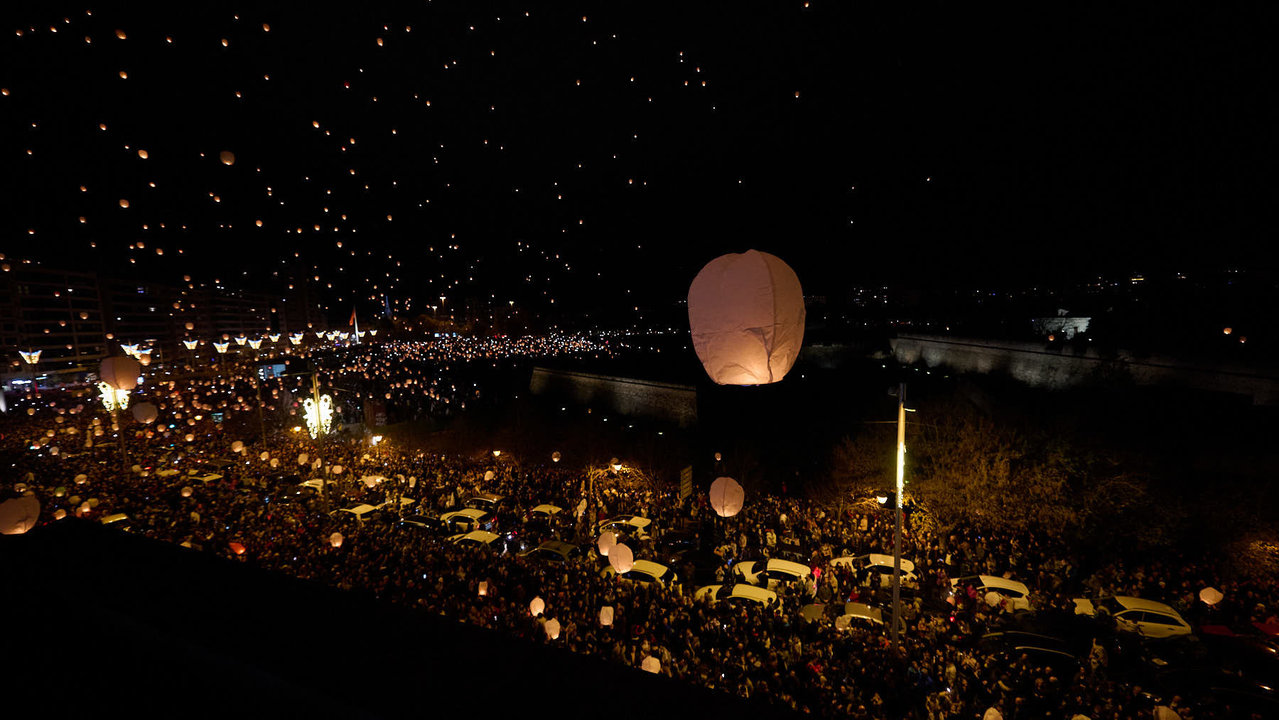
(880, 566)
(1133, 614)
(544, 513)
(476, 538)
(646, 571)
(626, 526)
(772, 575)
(483, 501)
(205, 478)
(1016, 594)
(741, 592)
(465, 519)
(359, 512)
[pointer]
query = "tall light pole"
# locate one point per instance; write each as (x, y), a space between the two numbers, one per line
(897, 535)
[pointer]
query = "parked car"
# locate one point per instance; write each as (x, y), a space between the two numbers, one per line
(1042, 650)
(856, 613)
(646, 571)
(478, 538)
(557, 552)
(423, 521)
(879, 568)
(467, 519)
(772, 574)
(359, 512)
(1149, 618)
(735, 594)
(1016, 594)
(483, 501)
(625, 526)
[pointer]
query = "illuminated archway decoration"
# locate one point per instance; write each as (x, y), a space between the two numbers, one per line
(113, 399)
(319, 418)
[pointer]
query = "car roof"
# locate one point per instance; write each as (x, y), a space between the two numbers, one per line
(744, 590)
(1136, 603)
(558, 546)
(359, 509)
(650, 567)
(473, 513)
(632, 520)
(546, 508)
(793, 568)
(862, 610)
(993, 581)
(483, 536)
(113, 518)
(485, 496)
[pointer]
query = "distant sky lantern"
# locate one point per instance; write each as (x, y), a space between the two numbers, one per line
(236, 548)
(145, 413)
(1226, 331)
(606, 543)
(536, 606)
(651, 664)
(124, 203)
(143, 154)
(19, 515)
(120, 34)
(606, 615)
(227, 157)
(120, 373)
(746, 314)
(335, 540)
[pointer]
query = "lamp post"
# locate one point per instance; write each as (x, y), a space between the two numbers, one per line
(897, 534)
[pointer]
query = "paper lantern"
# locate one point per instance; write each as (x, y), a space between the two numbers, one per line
(145, 413)
(746, 315)
(59, 514)
(275, 462)
(335, 540)
(264, 456)
(621, 558)
(727, 496)
(237, 446)
(186, 491)
(19, 515)
(337, 469)
(484, 588)
(651, 664)
(189, 437)
(606, 615)
(303, 458)
(74, 499)
(236, 548)
(83, 509)
(227, 157)
(489, 475)
(412, 482)
(120, 373)
(606, 543)
(370, 481)
(537, 606)
(60, 491)
(1211, 595)
(552, 628)
(93, 502)
(555, 456)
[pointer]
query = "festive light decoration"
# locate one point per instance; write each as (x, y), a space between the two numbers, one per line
(190, 344)
(241, 340)
(221, 347)
(256, 344)
(727, 496)
(113, 398)
(30, 357)
(319, 417)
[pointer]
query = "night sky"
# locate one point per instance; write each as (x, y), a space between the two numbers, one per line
(597, 154)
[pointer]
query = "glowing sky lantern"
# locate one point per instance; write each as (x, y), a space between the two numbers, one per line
(227, 157)
(727, 496)
(552, 628)
(621, 558)
(335, 540)
(19, 515)
(537, 606)
(145, 413)
(606, 615)
(651, 664)
(606, 543)
(746, 314)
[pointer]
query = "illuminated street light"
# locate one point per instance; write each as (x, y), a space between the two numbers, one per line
(275, 338)
(221, 347)
(241, 340)
(190, 344)
(319, 416)
(255, 344)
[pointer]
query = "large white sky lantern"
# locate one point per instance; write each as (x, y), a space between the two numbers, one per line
(18, 515)
(606, 543)
(120, 373)
(727, 496)
(621, 558)
(746, 313)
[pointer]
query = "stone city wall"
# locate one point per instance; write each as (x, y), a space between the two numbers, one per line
(626, 396)
(1061, 368)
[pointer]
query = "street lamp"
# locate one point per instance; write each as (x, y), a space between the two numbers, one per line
(897, 535)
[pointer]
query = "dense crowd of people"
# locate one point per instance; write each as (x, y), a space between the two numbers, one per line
(60, 447)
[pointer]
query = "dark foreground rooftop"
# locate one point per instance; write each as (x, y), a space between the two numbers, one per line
(96, 621)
